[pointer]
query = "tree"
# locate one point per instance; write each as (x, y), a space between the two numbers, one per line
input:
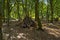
(51, 7)
(3, 8)
(41, 9)
(1, 38)
(26, 6)
(8, 10)
(47, 12)
(37, 14)
(18, 7)
(56, 10)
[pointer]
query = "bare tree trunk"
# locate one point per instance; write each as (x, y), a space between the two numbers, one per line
(51, 5)
(24, 3)
(8, 14)
(3, 14)
(37, 14)
(1, 37)
(17, 2)
(47, 12)
(42, 10)
(26, 10)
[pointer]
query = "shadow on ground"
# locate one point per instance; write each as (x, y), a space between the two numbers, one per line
(16, 33)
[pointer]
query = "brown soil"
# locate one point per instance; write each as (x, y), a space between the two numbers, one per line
(13, 32)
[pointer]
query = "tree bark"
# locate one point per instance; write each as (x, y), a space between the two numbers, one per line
(37, 14)
(8, 11)
(17, 2)
(47, 12)
(51, 7)
(26, 11)
(1, 37)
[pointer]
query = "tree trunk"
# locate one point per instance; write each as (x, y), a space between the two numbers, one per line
(23, 6)
(37, 14)
(42, 10)
(3, 5)
(1, 37)
(26, 11)
(47, 13)
(51, 5)
(17, 2)
(8, 11)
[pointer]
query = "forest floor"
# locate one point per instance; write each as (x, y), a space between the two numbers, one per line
(51, 32)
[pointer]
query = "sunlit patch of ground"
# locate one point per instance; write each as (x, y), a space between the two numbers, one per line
(55, 32)
(51, 32)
